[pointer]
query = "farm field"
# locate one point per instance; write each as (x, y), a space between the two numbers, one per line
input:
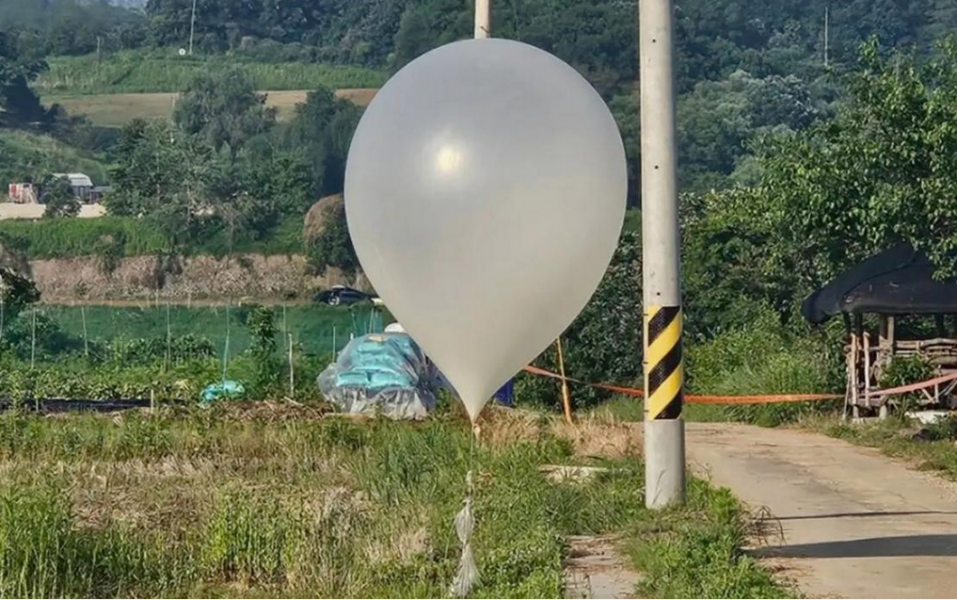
(311, 325)
(115, 110)
(277, 500)
(162, 71)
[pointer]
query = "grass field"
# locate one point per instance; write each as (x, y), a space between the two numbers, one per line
(271, 500)
(115, 110)
(138, 71)
(313, 326)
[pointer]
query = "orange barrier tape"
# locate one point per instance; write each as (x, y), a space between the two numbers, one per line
(754, 399)
(698, 399)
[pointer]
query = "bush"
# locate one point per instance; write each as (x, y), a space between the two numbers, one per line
(942, 429)
(58, 198)
(904, 370)
(604, 342)
(50, 340)
(261, 322)
(764, 358)
(333, 247)
(151, 350)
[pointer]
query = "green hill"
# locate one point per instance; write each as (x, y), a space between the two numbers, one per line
(27, 155)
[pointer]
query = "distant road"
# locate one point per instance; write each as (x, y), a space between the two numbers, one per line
(115, 110)
(9, 210)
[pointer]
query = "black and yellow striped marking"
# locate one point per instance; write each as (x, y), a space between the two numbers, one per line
(664, 371)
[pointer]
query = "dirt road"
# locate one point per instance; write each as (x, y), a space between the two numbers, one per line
(855, 523)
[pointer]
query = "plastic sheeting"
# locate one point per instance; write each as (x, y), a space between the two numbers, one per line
(381, 374)
(225, 390)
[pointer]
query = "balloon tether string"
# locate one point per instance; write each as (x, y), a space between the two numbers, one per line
(467, 576)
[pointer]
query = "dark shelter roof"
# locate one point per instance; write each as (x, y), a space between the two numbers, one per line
(896, 281)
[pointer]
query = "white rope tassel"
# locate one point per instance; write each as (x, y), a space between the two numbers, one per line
(468, 574)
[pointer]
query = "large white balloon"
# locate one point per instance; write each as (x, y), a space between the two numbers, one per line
(485, 192)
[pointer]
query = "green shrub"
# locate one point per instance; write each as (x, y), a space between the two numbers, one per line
(177, 349)
(702, 557)
(604, 342)
(904, 370)
(764, 358)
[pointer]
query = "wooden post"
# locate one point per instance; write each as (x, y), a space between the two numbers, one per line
(285, 329)
(169, 339)
(851, 398)
(33, 341)
(292, 377)
(867, 369)
(86, 339)
(566, 398)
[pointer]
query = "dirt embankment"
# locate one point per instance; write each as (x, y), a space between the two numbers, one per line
(182, 279)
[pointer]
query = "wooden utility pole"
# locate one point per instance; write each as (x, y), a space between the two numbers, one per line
(483, 19)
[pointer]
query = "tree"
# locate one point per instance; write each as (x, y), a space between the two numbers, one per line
(233, 196)
(59, 198)
(262, 328)
(321, 132)
(19, 105)
(16, 292)
(604, 342)
(831, 195)
(158, 176)
(719, 120)
(333, 246)
(223, 109)
(415, 36)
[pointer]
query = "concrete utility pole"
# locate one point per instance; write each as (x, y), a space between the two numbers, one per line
(192, 28)
(664, 370)
(483, 19)
(827, 9)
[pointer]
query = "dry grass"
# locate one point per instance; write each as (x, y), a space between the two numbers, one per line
(115, 110)
(598, 434)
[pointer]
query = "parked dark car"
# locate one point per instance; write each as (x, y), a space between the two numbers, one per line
(340, 294)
